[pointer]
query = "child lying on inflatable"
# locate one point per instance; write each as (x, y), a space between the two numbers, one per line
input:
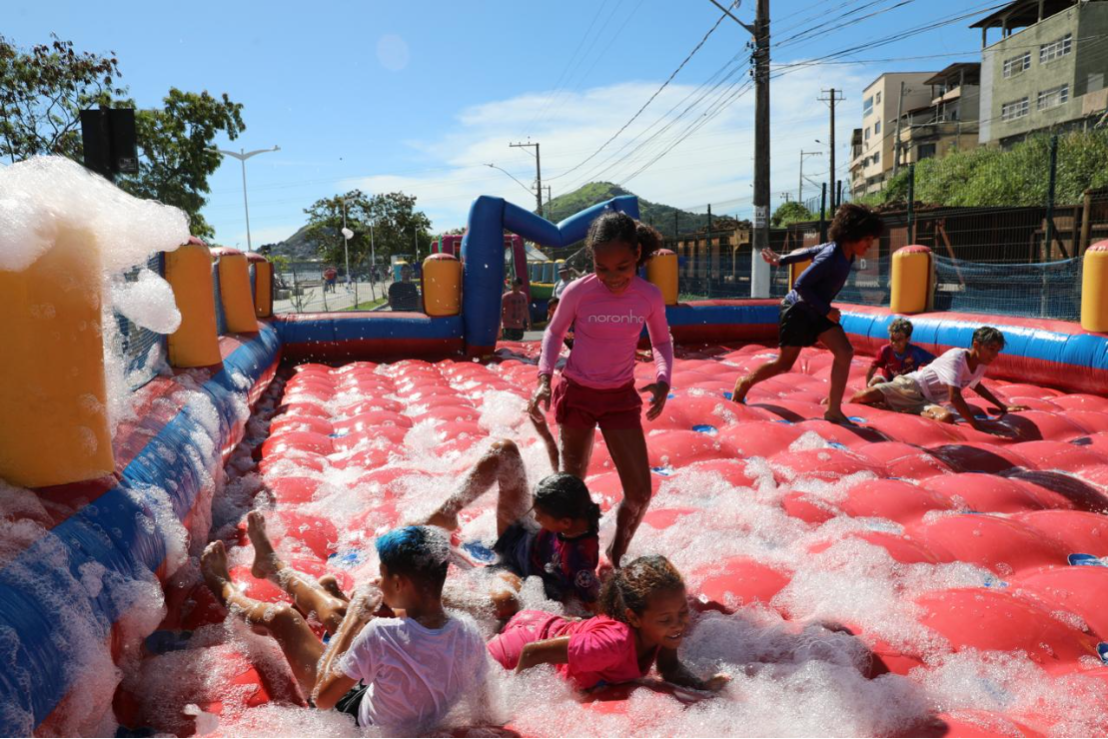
(924, 391)
(645, 616)
(401, 674)
(552, 534)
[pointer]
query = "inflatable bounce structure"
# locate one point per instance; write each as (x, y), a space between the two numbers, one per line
(895, 577)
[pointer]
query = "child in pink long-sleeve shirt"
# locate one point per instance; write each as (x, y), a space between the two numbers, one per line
(608, 310)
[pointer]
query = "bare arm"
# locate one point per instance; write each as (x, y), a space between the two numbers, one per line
(674, 672)
(331, 683)
(546, 652)
(963, 408)
(1002, 407)
(870, 373)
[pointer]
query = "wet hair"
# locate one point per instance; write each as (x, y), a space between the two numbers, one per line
(854, 222)
(901, 326)
(632, 587)
(616, 226)
(562, 495)
(419, 553)
(988, 335)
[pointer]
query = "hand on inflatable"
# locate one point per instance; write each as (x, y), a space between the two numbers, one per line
(1009, 409)
(717, 682)
(771, 256)
(541, 396)
(659, 392)
(834, 315)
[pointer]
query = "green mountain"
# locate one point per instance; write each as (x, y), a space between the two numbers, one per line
(658, 215)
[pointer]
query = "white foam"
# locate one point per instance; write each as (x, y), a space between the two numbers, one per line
(148, 302)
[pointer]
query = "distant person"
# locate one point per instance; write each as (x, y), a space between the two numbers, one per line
(807, 315)
(565, 277)
(515, 312)
(899, 356)
(330, 276)
(404, 295)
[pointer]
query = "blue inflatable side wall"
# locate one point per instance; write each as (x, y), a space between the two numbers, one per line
(483, 255)
(119, 531)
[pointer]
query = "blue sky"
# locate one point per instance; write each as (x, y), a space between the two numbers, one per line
(419, 96)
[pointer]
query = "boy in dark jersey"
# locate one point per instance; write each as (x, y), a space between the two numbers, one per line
(899, 356)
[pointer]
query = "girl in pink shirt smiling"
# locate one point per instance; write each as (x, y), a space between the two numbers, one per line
(646, 614)
(608, 310)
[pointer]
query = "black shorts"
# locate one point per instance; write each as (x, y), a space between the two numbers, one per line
(514, 547)
(801, 326)
(352, 701)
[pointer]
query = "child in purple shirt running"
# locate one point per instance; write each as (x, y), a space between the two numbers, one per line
(807, 315)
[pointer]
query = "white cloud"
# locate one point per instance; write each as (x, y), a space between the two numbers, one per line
(714, 165)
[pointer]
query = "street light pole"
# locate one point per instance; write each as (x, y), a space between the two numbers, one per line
(242, 155)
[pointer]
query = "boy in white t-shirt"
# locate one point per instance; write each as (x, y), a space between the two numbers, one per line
(401, 675)
(924, 391)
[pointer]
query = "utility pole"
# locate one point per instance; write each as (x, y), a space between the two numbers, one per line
(896, 144)
(759, 269)
(786, 195)
(833, 96)
(803, 155)
(548, 197)
(538, 171)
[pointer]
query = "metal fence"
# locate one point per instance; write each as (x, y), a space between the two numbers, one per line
(300, 286)
(136, 343)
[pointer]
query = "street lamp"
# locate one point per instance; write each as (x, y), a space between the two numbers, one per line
(242, 155)
(529, 190)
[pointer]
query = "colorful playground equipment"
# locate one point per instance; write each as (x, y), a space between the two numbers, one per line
(968, 541)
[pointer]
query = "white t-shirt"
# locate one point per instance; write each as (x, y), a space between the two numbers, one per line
(560, 287)
(949, 370)
(415, 674)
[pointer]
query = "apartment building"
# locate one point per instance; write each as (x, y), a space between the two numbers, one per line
(881, 103)
(949, 121)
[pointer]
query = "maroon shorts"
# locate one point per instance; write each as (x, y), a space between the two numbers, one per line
(577, 406)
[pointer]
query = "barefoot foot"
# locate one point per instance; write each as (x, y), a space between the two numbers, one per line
(266, 563)
(331, 586)
(213, 566)
(839, 418)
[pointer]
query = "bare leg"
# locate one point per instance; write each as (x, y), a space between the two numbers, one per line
(786, 358)
(835, 340)
(300, 645)
(577, 447)
(308, 595)
(538, 420)
(502, 465)
(628, 449)
(872, 396)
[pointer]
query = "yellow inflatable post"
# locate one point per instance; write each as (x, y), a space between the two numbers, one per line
(912, 280)
(54, 426)
(661, 270)
(1094, 289)
(442, 285)
(234, 288)
(262, 270)
(796, 269)
(189, 271)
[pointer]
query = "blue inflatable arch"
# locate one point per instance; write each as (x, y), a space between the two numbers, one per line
(483, 255)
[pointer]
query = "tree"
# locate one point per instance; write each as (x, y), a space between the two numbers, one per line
(44, 89)
(42, 93)
(175, 143)
(397, 227)
(791, 212)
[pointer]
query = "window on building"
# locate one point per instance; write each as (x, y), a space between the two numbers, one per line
(925, 151)
(877, 158)
(878, 100)
(1056, 49)
(1053, 98)
(1017, 64)
(867, 106)
(1014, 110)
(867, 133)
(877, 127)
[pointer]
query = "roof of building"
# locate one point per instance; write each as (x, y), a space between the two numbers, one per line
(891, 74)
(955, 72)
(1022, 13)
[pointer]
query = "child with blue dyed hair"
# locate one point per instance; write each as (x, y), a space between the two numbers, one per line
(400, 669)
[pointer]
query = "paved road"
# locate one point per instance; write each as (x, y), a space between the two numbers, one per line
(314, 300)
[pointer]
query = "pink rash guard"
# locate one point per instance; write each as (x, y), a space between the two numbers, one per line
(606, 331)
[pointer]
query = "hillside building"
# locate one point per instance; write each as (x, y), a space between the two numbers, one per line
(948, 122)
(881, 105)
